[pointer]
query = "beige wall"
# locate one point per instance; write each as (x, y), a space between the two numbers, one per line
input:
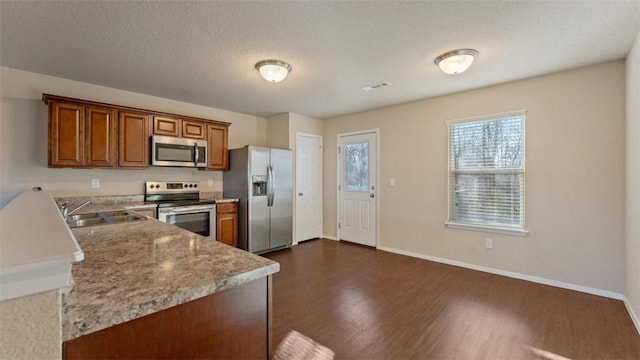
(30, 327)
(282, 129)
(303, 124)
(23, 138)
(278, 131)
(632, 283)
(574, 181)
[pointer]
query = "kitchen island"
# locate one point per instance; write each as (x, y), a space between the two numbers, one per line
(151, 290)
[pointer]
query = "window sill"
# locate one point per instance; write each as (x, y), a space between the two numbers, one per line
(486, 228)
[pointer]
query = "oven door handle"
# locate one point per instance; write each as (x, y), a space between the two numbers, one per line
(186, 209)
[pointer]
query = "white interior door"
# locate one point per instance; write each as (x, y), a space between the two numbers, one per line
(308, 186)
(357, 188)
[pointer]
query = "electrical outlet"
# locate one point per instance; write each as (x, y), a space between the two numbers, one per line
(392, 182)
(488, 243)
(95, 183)
(210, 182)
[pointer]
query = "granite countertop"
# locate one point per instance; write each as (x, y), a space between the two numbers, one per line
(134, 269)
(119, 202)
(37, 250)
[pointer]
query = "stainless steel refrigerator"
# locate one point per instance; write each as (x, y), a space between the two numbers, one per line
(262, 179)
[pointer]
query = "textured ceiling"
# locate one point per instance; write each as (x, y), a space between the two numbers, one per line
(204, 52)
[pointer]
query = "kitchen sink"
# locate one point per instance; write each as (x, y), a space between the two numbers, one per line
(96, 215)
(103, 218)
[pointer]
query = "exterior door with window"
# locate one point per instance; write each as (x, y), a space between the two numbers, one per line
(357, 188)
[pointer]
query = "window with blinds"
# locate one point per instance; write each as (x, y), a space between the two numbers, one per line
(486, 172)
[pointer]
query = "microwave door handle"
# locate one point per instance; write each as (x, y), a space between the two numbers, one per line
(196, 153)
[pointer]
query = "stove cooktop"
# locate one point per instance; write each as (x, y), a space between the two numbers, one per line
(173, 193)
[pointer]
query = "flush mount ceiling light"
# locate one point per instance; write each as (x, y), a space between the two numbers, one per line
(456, 61)
(273, 70)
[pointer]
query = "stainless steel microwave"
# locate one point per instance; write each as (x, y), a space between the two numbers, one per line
(182, 152)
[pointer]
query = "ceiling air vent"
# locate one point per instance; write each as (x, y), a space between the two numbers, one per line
(376, 86)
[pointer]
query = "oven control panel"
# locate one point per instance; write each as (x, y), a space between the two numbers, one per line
(171, 187)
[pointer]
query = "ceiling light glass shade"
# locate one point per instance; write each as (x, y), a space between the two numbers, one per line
(456, 61)
(273, 70)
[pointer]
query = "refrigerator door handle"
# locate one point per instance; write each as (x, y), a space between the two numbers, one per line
(273, 184)
(269, 185)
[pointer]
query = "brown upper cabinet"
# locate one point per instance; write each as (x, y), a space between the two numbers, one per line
(66, 134)
(194, 129)
(86, 134)
(101, 137)
(166, 126)
(218, 157)
(82, 136)
(181, 128)
(134, 140)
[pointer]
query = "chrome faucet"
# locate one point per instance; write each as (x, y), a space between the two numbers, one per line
(65, 208)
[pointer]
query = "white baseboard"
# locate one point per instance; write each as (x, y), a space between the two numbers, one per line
(515, 275)
(632, 313)
(329, 237)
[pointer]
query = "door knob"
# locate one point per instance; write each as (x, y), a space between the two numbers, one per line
(372, 195)
(300, 194)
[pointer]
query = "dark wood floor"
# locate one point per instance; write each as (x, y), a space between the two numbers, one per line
(369, 304)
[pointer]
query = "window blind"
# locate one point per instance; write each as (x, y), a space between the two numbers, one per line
(486, 171)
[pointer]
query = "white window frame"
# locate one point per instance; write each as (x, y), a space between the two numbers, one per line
(451, 222)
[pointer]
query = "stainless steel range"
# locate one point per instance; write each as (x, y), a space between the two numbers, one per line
(179, 204)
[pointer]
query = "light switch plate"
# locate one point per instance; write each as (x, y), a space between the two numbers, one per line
(210, 182)
(392, 182)
(95, 183)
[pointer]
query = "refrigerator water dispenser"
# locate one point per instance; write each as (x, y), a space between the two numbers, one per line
(259, 185)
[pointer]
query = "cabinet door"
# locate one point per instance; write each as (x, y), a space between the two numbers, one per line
(133, 140)
(101, 137)
(227, 228)
(218, 150)
(166, 126)
(193, 129)
(66, 134)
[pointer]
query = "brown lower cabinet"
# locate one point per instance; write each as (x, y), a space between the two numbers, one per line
(227, 223)
(232, 324)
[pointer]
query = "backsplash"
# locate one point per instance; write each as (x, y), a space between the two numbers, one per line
(211, 195)
(121, 199)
